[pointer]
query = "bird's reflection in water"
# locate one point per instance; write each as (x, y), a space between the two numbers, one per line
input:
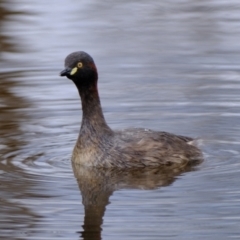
(97, 185)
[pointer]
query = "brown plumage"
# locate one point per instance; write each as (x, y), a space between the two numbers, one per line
(98, 145)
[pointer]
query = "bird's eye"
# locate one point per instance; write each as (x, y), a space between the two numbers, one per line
(79, 65)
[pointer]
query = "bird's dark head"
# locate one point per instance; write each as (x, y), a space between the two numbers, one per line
(80, 68)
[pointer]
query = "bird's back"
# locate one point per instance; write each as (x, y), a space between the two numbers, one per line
(134, 148)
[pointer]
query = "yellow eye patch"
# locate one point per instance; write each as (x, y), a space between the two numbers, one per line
(74, 70)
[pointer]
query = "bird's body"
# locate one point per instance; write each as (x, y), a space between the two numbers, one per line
(100, 146)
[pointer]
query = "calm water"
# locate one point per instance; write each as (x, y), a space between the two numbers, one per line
(166, 65)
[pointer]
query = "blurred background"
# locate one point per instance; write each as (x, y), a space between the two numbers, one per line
(166, 65)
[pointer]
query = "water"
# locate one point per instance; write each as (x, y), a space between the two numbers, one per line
(171, 66)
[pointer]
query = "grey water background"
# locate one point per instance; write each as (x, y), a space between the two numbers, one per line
(166, 65)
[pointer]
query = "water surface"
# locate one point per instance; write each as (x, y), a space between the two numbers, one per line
(171, 66)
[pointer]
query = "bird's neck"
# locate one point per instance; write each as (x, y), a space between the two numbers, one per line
(92, 118)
